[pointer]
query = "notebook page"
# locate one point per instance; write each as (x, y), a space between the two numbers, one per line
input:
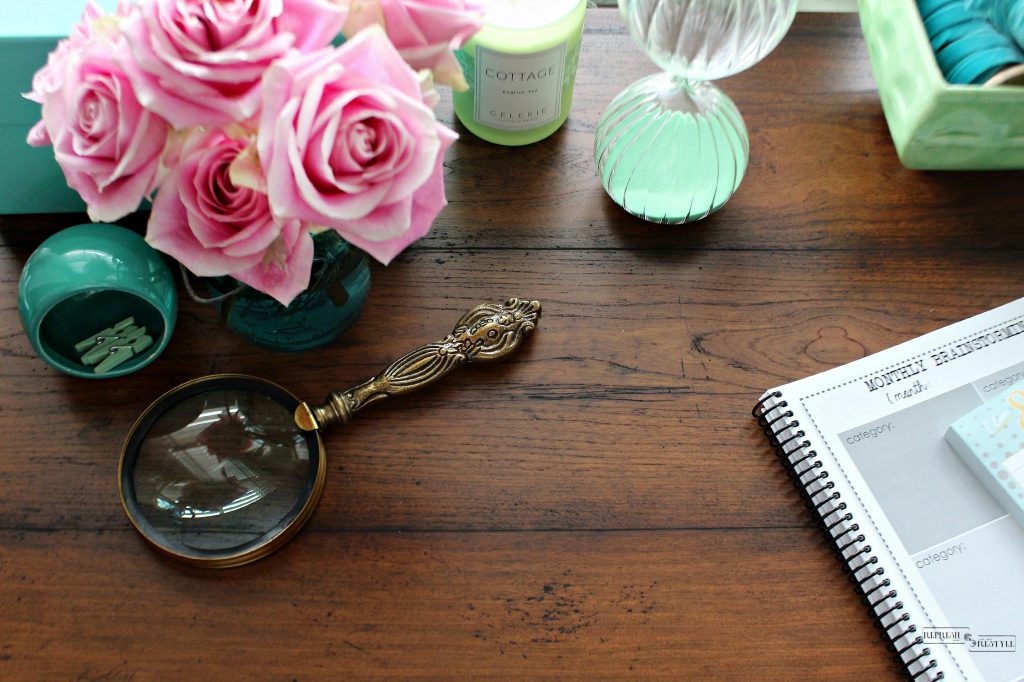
(952, 554)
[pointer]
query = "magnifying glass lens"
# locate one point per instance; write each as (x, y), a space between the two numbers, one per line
(218, 471)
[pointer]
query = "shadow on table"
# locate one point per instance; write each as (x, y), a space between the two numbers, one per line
(658, 242)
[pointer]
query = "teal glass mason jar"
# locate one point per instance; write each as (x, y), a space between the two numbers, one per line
(338, 287)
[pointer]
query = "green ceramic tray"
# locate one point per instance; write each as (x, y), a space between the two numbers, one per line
(935, 125)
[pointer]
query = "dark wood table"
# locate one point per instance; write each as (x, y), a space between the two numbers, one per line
(601, 505)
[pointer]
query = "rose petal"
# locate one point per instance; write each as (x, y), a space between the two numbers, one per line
(246, 171)
(168, 231)
(315, 23)
(284, 272)
(38, 135)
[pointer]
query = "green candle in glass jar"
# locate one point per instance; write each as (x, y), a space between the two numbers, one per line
(521, 68)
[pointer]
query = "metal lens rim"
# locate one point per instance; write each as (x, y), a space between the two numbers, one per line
(269, 541)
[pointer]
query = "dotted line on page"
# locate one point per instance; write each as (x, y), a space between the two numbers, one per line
(902, 363)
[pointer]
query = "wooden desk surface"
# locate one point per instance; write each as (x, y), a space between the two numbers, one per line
(602, 505)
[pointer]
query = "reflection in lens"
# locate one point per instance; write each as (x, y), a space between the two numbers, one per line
(221, 469)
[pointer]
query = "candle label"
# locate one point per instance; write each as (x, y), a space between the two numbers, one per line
(518, 91)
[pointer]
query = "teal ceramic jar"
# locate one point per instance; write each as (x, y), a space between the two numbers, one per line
(87, 278)
(338, 286)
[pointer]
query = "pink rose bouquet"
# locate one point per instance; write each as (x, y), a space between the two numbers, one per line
(250, 131)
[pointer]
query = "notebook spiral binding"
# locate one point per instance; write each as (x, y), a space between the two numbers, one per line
(830, 513)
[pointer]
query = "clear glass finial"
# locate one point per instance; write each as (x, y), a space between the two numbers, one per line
(707, 39)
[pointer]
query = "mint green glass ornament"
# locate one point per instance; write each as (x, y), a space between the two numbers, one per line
(671, 147)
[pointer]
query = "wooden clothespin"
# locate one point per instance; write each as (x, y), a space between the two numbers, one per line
(122, 338)
(119, 353)
(98, 338)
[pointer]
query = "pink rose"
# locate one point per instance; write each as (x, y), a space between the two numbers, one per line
(49, 79)
(214, 226)
(424, 31)
(108, 146)
(346, 141)
(199, 62)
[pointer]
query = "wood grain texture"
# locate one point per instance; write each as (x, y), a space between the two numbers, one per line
(600, 505)
(586, 604)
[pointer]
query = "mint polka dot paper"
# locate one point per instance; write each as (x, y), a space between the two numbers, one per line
(990, 441)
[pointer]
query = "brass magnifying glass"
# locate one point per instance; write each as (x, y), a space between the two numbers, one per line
(225, 469)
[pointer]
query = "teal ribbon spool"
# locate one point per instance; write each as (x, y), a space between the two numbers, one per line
(928, 7)
(968, 47)
(954, 33)
(1006, 15)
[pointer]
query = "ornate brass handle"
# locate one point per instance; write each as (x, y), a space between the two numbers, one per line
(487, 332)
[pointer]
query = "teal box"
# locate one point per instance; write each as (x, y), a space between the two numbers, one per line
(990, 441)
(30, 180)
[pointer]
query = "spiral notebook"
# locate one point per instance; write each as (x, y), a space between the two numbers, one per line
(938, 561)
